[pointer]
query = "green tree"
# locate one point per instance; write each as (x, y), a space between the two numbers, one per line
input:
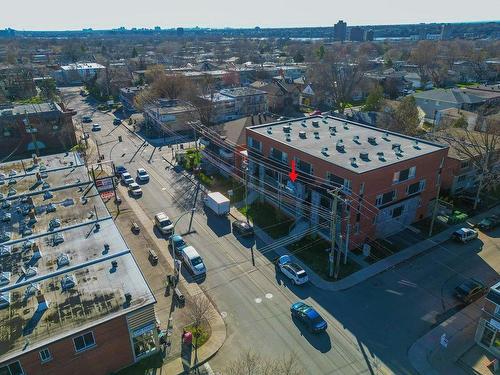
(134, 53)
(406, 117)
(320, 52)
(47, 88)
(374, 99)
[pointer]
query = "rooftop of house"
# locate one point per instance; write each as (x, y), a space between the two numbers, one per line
(170, 106)
(234, 131)
(494, 294)
(61, 247)
(350, 145)
(22, 109)
(82, 66)
(241, 91)
(455, 95)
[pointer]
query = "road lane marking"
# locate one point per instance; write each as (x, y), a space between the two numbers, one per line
(258, 300)
(269, 295)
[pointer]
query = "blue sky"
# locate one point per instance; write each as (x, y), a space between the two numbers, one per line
(105, 14)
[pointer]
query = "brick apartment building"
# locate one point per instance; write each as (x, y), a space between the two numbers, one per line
(28, 128)
(488, 329)
(387, 178)
(72, 298)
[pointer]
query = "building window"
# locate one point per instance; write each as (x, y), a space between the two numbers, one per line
(13, 368)
(383, 199)
(45, 355)
(84, 342)
(417, 187)
(356, 228)
(464, 164)
(335, 180)
(362, 188)
(144, 340)
(278, 155)
(404, 175)
(304, 166)
(256, 145)
(397, 212)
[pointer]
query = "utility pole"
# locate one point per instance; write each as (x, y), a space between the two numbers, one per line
(436, 205)
(347, 231)
(246, 190)
(194, 206)
(333, 229)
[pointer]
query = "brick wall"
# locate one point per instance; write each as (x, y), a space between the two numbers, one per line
(112, 351)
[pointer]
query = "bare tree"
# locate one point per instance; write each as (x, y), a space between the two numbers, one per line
(251, 363)
(198, 309)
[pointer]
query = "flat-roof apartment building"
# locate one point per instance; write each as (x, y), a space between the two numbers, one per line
(72, 298)
(388, 179)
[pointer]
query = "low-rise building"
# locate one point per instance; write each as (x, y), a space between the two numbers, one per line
(35, 128)
(488, 329)
(171, 118)
(127, 96)
(77, 73)
(72, 296)
(389, 179)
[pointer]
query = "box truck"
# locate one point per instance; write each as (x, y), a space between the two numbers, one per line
(218, 203)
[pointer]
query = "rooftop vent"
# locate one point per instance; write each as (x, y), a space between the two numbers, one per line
(316, 135)
(128, 298)
(372, 140)
(324, 151)
(269, 130)
(386, 136)
(302, 134)
(340, 146)
(5, 250)
(364, 156)
(416, 145)
(12, 172)
(4, 278)
(68, 282)
(28, 244)
(381, 156)
(396, 146)
(29, 272)
(304, 123)
(287, 128)
(114, 264)
(31, 290)
(288, 138)
(353, 162)
(332, 128)
(62, 260)
(346, 126)
(356, 139)
(315, 123)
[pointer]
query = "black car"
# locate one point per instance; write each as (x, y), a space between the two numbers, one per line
(470, 290)
(242, 228)
(489, 223)
(117, 121)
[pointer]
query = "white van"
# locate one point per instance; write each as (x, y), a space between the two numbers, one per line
(193, 261)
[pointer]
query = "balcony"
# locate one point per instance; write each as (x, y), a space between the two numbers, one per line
(205, 142)
(226, 154)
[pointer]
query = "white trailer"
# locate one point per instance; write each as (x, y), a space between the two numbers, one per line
(218, 203)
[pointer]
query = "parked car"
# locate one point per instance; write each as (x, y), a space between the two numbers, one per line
(117, 121)
(489, 223)
(470, 290)
(134, 189)
(163, 223)
(120, 169)
(309, 316)
(86, 119)
(193, 261)
(177, 242)
(242, 228)
(464, 235)
(292, 270)
(142, 175)
(127, 178)
(96, 127)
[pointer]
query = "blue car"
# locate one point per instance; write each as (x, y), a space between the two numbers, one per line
(177, 242)
(119, 169)
(309, 316)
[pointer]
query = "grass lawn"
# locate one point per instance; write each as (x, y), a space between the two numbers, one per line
(381, 249)
(223, 185)
(203, 332)
(268, 218)
(144, 367)
(312, 251)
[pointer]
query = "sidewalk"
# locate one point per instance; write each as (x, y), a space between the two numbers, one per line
(371, 270)
(428, 356)
(217, 325)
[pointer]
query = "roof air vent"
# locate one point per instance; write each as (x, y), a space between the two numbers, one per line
(5, 250)
(304, 123)
(340, 146)
(396, 146)
(62, 260)
(356, 139)
(332, 128)
(353, 162)
(386, 136)
(288, 138)
(324, 151)
(364, 156)
(287, 128)
(315, 123)
(416, 145)
(269, 130)
(4, 299)
(381, 156)
(316, 135)
(4, 278)
(346, 126)
(302, 134)
(68, 282)
(372, 140)
(128, 298)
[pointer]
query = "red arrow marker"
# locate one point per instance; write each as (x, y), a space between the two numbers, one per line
(293, 175)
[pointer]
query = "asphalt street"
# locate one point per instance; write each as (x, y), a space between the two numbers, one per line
(371, 326)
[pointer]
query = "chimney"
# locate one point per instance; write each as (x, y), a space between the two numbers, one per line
(43, 304)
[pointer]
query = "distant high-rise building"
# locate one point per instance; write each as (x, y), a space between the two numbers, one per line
(369, 35)
(340, 31)
(180, 31)
(157, 28)
(357, 34)
(446, 31)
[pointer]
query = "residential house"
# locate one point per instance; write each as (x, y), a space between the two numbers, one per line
(389, 179)
(77, 73)
(280, 95)
(127, 96)
(171, 118)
